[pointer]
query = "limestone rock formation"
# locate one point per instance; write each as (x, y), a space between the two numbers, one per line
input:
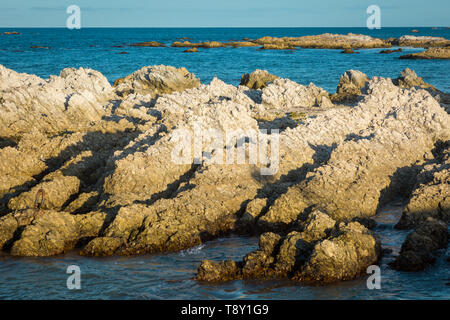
(432, 53)
(258, 79)
(46, 233)
(156, 80)
(420, 41)
(70, 101)
(286, 94)
(121, 171)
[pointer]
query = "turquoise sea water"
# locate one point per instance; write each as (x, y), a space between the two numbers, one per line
(169, 276)
(94, 48)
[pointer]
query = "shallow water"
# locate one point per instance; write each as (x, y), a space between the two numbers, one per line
(169, 276)
(94, 48)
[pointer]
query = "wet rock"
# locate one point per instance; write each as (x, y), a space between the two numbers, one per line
(102, 246)
(361, 175)
(348, 50)
(121, 165)
(39, 47)
(421, 246)
(237, 44)
(432, 53)
(217, 272)
(258, 79)
(206, 44)
(344, 256)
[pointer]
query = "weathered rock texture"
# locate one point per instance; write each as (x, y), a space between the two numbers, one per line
(420, 41)
(432, 53)
(156, 80)
(104, 169)
(321, 251)
(349, 87)
(258, 79)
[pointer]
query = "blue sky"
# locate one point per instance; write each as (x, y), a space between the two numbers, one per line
(224, 13)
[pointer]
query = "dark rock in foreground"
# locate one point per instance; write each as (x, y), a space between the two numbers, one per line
(320, 252)
(421, 246)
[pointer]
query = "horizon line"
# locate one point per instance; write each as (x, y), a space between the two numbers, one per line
(237, 27)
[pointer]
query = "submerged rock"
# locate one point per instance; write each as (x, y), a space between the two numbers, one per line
(148, 44)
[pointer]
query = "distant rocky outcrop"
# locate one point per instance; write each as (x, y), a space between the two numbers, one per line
(420, 41)
(432, 53)
(148, 44)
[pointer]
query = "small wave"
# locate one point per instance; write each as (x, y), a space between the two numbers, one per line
(191, 251)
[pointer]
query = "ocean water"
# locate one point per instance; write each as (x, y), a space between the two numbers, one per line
(170, 275)
(94, 48)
